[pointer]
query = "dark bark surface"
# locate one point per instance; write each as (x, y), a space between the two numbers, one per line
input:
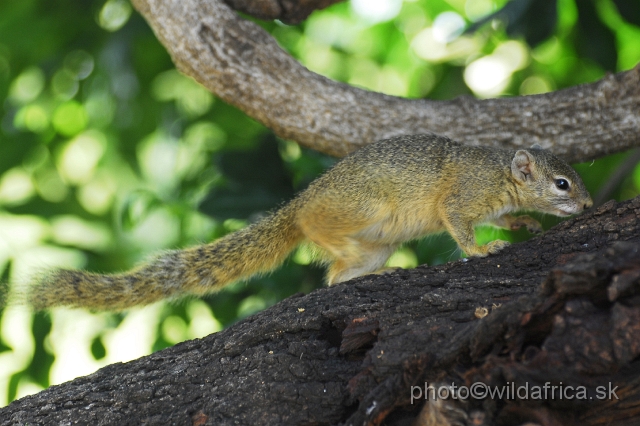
(562, 307)
(243, 65)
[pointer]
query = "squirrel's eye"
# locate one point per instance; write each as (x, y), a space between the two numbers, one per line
(562, 184)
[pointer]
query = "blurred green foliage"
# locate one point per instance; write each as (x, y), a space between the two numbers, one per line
(108, 154)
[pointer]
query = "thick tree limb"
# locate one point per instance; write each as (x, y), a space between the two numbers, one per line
(351, 353)
(242, 64)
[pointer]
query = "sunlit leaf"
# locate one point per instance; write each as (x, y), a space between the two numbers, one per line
(70, 118)
(114, 14)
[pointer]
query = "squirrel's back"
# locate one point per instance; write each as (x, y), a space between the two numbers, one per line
(414, 162)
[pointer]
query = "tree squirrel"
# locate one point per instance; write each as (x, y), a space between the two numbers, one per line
(356, 214)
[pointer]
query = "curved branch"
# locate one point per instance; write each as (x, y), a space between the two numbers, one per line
(242, 64)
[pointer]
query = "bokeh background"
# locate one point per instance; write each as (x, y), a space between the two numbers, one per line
(108, 154)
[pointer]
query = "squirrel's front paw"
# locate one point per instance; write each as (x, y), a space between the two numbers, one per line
(495, 246)
(532, 225)
(535, 229)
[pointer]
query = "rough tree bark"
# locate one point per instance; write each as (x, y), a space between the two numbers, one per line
(562, 307)
(243, 65)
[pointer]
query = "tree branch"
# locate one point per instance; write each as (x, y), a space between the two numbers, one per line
(242, 64)
(350, 353)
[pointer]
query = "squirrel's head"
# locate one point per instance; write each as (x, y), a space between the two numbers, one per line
(548, 184)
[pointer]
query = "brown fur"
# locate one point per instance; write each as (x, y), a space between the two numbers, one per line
(357, 214)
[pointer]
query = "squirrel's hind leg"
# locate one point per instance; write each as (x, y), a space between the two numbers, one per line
(363, 259)
(336, 232)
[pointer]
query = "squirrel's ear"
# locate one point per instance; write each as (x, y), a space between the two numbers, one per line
(536, 146)
(522, 165)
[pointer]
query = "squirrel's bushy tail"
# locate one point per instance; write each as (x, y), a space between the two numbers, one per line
(203, 269)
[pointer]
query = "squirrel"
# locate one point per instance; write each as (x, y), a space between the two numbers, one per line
(356, 214)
